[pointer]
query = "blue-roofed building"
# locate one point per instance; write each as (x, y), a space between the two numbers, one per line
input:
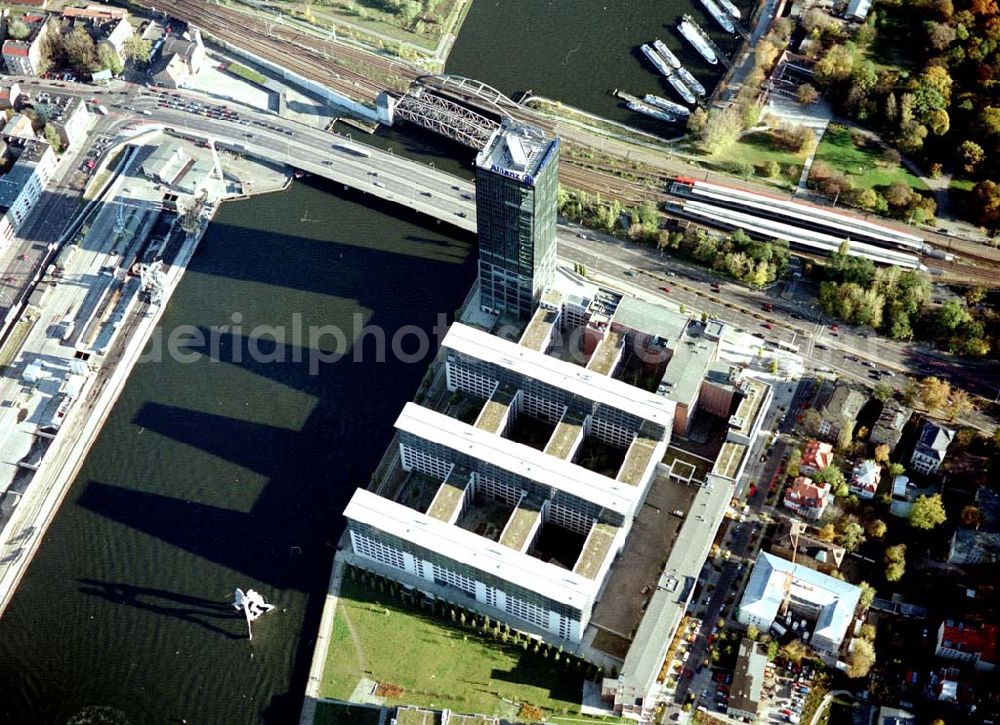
(825, 605)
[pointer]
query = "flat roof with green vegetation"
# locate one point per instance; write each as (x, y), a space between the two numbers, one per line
(539, 329)
(471, 720)
(864, 163)
(637, 459)
(701, 465)
(607, 352)
(417, 716)
(521, 523)
(247, 74)
(595, 549)
(567, 432)
(345, 713)
(492, 415)
(439, 665)
(449, 496)
(728, 462)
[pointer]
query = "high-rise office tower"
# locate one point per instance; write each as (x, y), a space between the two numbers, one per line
(517, 185)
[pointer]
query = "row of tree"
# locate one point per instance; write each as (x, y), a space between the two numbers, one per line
(736, 255)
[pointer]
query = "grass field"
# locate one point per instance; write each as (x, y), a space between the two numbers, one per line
(863, 164)
(438, 665)
(757, 149)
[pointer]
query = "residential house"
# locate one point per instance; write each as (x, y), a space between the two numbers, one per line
(179, 59)
(970, 547)
(973, 642)
(106, 25)
(20, 126)
(979, 545)
(931, 448)
(22, 186)
(841, 410)
(806, 498)
(865, 478)
(748, 680)
(888, 429)
(9, 93)
(23, 57)
(816, 455)
(69, 117)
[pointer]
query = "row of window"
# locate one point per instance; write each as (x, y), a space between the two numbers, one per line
(418, 459)
(376, 550)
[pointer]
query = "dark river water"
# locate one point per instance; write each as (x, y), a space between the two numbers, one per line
(579, 51)
(211, 475)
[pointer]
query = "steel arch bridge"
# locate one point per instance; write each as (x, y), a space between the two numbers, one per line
(429, 110)
(470, 88)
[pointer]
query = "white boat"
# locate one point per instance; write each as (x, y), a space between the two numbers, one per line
(696, 36)
(666, 105)
(728, 6)
(648, 110)
(720, 15)
(655, 59)
(682, 90)
(668, 55)
(690, 81)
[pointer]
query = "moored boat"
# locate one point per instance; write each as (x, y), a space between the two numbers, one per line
(655, 59)
(720, 15)
(668, 55)
(693, 34)
(728, 6)
(682, 90)
(645, 108)
(666, 105)
(690, 81)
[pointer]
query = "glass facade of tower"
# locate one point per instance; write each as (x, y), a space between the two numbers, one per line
(516, 206)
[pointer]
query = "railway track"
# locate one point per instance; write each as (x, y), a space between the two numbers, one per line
(342, 67)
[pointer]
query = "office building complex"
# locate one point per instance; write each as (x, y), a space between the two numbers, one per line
(818, 607)
(517, 184)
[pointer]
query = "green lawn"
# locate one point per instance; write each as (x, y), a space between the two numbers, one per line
(439, 665)
(756, 149)
(864, 165)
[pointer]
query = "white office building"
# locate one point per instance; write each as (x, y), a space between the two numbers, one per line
(799, 598)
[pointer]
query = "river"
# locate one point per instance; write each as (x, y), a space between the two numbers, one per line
(216, 474)
(579, 51)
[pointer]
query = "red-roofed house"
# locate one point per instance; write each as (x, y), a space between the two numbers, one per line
(816, 456)
(974, 642)
(806, 498)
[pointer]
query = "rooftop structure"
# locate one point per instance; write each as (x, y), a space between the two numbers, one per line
(826, 602)
(931, 448)
(179, 59)
(95, 12)
(816, 455)
(973, 642)
(748, 680)
(20, 126)
(167, 163)
(806, 498)
(865, 478)
(516, 200)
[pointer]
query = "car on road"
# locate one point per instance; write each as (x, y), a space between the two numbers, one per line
(379, 184)
(466, 196)
(769, 325)
(629, 273)
(821, 346)
(834, 328)
(581, 235)
(461, 214)
(425, 193)
(668, 290)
